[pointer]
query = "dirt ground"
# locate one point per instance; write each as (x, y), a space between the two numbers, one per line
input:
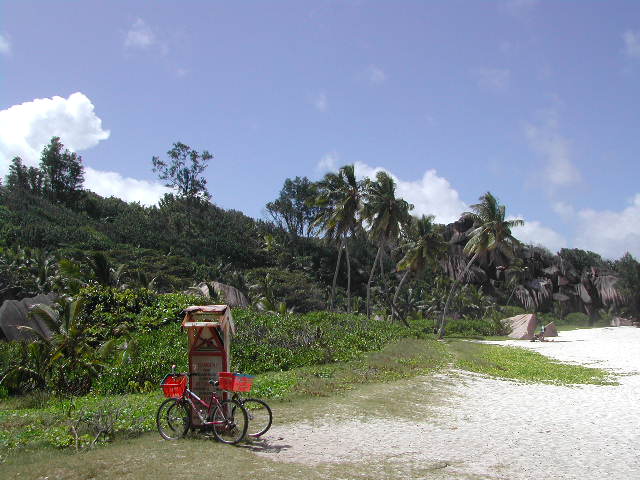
(451, 426)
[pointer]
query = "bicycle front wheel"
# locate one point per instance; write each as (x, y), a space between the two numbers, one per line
(230, 422)
(173, 418)
(260, 417)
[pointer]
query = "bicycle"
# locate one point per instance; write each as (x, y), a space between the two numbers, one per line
(260, 416)
(228, 419)
(259, 413)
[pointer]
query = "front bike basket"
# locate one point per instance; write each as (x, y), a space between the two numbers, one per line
(174, 385)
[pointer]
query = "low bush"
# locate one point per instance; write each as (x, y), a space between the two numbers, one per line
(264, 343)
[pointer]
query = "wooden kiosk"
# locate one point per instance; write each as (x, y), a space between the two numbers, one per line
(209, 329)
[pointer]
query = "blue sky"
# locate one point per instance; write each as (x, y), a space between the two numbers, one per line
(536, 101)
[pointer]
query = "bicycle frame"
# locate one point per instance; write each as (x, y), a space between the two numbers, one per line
(190, 396)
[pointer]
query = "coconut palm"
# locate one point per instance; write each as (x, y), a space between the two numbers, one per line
(385, 214)
(424, 244)
(340, 200)
(491, 233)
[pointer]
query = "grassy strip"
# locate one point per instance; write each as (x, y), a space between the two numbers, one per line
(46, 422)
(524, 365)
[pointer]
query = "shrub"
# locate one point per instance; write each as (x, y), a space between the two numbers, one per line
(576, 318)
(473, 327)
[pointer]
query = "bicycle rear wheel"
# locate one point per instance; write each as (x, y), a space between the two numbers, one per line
(230, 422)
(173, 419)
(260, 417)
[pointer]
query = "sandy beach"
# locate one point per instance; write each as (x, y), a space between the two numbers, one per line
(486, 428)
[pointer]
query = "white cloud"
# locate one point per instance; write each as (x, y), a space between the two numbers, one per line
(556, 151)
(431, 195)
(495, 79)
(129, 189)
(535, 233)
(139, 36)
(328, 162)
(376, 75)
(26, 128)
(320, 102)
(631, 43)
(610, 233)
(5, 46)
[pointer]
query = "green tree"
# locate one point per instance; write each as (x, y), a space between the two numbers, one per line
(183, 172)
(62, 173)
(340, 201)
(491, 232)
(628, 268)
(385, 214)
(295, 210)
(424, 244)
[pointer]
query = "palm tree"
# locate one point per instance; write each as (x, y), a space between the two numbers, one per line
(67, 351)
(423, 246)
(340, 200)
(491, 233)
(385, 214)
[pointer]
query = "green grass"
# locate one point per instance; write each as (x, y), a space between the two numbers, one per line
(523, 365)
(36, 421)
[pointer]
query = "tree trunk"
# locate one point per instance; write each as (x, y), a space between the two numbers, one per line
(346, 252)
(443, 322)
(373, 269)
(335, 275)
(394, 308)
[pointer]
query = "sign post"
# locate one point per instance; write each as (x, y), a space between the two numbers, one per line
(209, 330)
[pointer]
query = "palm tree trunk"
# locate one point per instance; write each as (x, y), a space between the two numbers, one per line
(373, 269)
(335, 275)
(404, 277)
(346, 252)
(443, 322)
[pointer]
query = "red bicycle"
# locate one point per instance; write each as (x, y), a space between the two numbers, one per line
(227, 419)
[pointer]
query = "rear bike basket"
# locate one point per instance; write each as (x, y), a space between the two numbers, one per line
(174, 385)
(235, 382)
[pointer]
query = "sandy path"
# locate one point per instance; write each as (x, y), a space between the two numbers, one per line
(486, 428)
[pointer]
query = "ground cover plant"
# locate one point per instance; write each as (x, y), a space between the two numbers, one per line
(523, 365)
(41, 420)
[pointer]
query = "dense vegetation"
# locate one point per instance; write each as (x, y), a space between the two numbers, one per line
(340, 268)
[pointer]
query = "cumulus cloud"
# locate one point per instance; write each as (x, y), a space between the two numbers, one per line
(26, 128)
(5, 46)
(631, 43)
(320, 102)
(328, 162)
(431, 195)
(129, 189)
(493, 79)
(139, 35)
(555, 149)
(376, 75)
(610, 233)
(535, 233)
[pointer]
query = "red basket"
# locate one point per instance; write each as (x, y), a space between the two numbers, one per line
(174, 386)
(235, 382)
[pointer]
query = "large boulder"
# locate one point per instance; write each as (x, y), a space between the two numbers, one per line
(227, 294)
(550, 330)
(231, 295)
(15, 314)
(522, 327)
(621, 322)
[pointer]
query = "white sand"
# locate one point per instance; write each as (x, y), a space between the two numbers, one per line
(491, 428)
